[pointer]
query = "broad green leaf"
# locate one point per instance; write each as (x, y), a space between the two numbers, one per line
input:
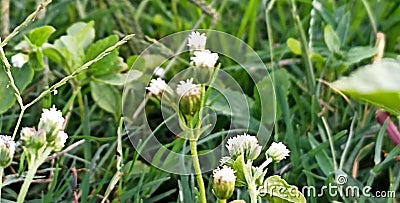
(40, 35)
(377, 83)
(22, 77)
(294, 46)
(277, 190)
(108, 64)
(83, 33)
(356, 54)
(343, 27)
(331, 39)
(119, 79)
(107, 97)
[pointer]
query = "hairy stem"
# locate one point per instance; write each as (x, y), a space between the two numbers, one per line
(196, 164)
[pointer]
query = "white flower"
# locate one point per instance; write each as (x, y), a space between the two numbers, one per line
(52, 116)
(197, 41)
(157, 86)
(7, 149)
(244, 144)
(224, 182)
(187, 88)
(18, 60)
(60, 140)
(204, 58)
(225, 173)
(158, 71)
(277, 151)
(7, 142)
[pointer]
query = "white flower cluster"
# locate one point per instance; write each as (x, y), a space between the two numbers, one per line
(277, 151)
(224, 182)
(244, 144)
(18, 60)
(49, 133)
(187, 88)
(202, 57)
(157, 86)
(224, 174)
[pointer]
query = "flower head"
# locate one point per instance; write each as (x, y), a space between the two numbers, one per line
(32, 138)
(158, 71)
(204, 58)
(244, 144)
(60, 141)
(187, 88)
(224, 182)
(189, 94)
(197, 41)
(7, 150)
(18, 60)
(277, 151)
(157, 86)
(51, 121)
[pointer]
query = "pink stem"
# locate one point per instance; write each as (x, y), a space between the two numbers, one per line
(392, 130)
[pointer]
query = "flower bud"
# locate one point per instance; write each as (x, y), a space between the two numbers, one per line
(244, 144)
(51, 122)
(197, 41)
(224, 182)
(32, 138)
(277, 151)
(189, 94)
(7, 149)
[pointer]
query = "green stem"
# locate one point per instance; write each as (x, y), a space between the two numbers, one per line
(222, 201)
(253, 192)
(1, 180)
(196, 164)
(27, 182)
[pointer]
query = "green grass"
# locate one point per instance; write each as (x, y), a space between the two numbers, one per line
(327, 135)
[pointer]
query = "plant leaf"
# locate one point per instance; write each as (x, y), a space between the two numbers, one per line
(294, 46)
(40, 35)
(331, 39)
(356, 54)
(107, 97)
(277, 190)
(376, 83)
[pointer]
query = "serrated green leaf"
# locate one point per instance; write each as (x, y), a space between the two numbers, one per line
(109, 63)
(239, 167)
(331, 39)
(22, 77)
(294, 46)
(107, 97)
(376, 83)
(277, 190)
(40, 35)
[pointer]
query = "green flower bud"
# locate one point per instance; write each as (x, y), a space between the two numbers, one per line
(277, 152)
(51, 121)
(32, 138)
(244, 144)
(224, 182)
(189, 94)
(7, 149)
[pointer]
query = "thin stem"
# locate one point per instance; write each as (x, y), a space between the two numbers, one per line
(28, 19)
(222, 200)
(253, 192)
(5, 18)
(21, 114)
(1, 180)
(196, 164)
(81, 69)
(27, 182)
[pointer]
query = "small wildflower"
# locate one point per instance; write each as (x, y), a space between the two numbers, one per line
(51, 121)
(190, 96)
(33, 139)
(7, 150)
(18, 60)
(277, 151)
(204, 58)
(157, 86)
(224, 182)
(158, 71)
(244, 144)
(60, 141)
(197, 41)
